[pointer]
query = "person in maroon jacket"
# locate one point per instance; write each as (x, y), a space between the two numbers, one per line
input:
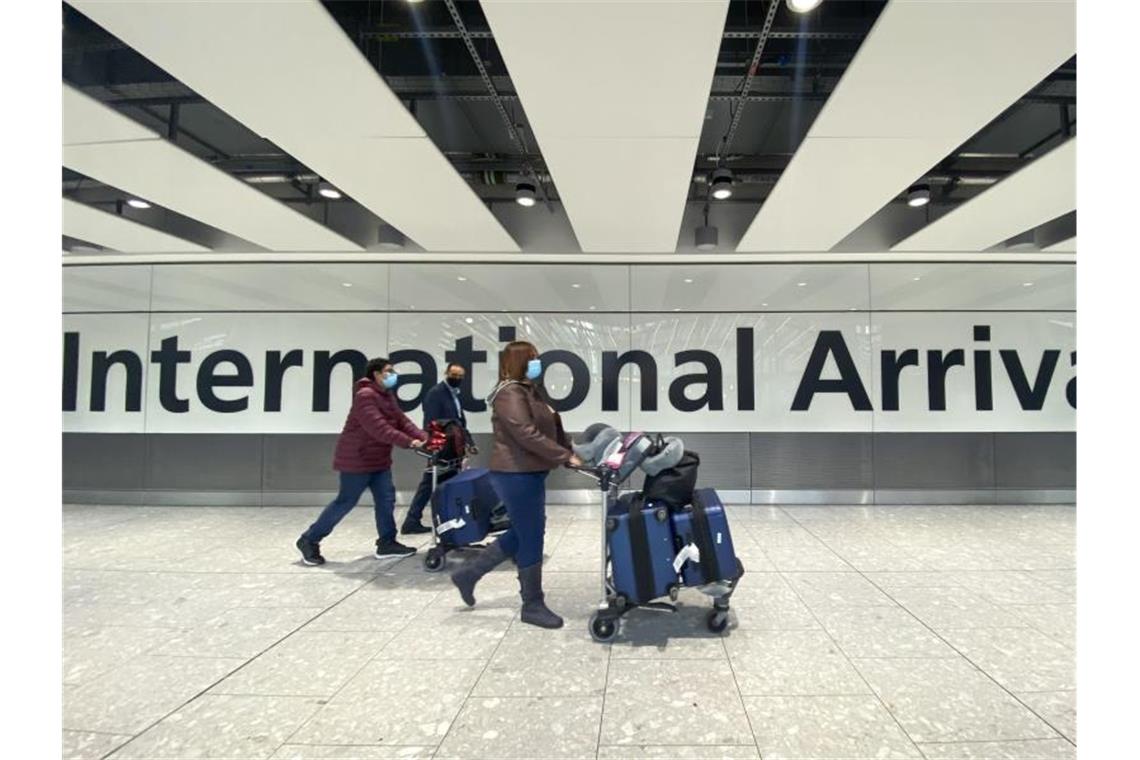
(364, 460)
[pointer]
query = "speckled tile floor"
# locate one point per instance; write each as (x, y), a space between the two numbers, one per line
(857, 632)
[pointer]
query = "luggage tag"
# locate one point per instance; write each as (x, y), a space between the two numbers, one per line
(453, 524)
(688, 552)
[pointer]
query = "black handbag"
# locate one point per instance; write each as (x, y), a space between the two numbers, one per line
(673, 486)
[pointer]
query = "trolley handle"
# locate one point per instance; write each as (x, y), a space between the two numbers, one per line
(602, 475)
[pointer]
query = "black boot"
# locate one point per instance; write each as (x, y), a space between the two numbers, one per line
(472, 570)
(534, 609)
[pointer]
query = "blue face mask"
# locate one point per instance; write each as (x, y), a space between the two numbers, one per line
(390, 380)
(533, 369)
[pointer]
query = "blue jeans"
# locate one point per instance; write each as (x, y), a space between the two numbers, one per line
(352, 485)
(524, 494)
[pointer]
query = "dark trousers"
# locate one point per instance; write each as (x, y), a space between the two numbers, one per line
(524, 494)
(352, 485)
(423, 495)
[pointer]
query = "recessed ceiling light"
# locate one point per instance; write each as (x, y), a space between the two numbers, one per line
(918, 195)
(1027, 284)
(461, 278)
(720, 184)
(688, 279)
(347, 284)
(575, 285)
(916, 279)
(137, 203)
(800, 284)
(326, 190)
(525, 194)
(469, 320)
(802, 6)
(764, 304)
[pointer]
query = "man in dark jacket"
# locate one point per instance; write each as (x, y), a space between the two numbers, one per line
(364, 460)
(440, 403)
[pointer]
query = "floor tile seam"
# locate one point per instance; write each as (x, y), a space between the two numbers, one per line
(828, 695)
(474, 683)
(1049, 691)
(740, 697)
(997, 741)
(370, 660)
(206, 690)
(973, 664)
(242, 666)
(605, 692)
(858, 672)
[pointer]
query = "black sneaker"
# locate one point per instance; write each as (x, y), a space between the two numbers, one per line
(392, 549)
(412, 528)
(310, 551)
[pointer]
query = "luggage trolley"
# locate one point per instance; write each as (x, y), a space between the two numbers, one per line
(604, 622)
(442, 531)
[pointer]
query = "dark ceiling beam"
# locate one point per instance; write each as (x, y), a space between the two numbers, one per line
(854, 33)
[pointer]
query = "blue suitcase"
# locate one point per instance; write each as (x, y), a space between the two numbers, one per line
(703, 524)
(641, 550)
(461, 507)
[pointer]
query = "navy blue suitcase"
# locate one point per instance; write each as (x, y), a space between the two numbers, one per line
(641, 550)
(461, 507)
(704, 524)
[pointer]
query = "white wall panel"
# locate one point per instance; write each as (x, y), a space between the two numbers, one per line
(731, 288)
(931, 287)
(782, 344)
(254, 335)
(112, 288)
(256, 287)
(782, 341)
(106, 333)
(119, 233)
(510, 287)
(1035, 194)
(1030, 335)
(587, 336)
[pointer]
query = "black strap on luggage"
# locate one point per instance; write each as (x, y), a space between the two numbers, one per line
(702, 533)
(639, 547)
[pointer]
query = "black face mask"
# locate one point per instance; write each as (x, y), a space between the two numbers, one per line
(454, 382)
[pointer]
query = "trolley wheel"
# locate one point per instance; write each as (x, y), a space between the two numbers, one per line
(717, 620)
(602, 629)
(434, 560)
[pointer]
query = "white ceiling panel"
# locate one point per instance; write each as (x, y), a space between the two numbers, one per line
(86, 120)
(1063, 246)
(1043, 190)
(117, 233)
(800, 215)
(640, 210)
(616, 94)
(930, 73)
(288, 72)
(438, 209)
(158, 171)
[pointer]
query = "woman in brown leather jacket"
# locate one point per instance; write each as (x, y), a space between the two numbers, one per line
(529, 443)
